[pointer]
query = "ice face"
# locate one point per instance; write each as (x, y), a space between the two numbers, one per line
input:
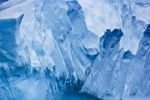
(67, 50)
(9, 30)
(129, 15)
(104, 65)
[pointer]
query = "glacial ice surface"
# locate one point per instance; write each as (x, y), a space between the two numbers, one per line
(74, 49)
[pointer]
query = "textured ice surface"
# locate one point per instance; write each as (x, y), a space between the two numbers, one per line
(129, 15)
(74, 49)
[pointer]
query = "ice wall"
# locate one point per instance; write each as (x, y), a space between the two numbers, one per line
(69, 49)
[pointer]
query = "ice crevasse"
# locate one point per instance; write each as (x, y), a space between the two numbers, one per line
(48, 51)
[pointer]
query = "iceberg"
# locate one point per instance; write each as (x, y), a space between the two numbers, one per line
(67, 50)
